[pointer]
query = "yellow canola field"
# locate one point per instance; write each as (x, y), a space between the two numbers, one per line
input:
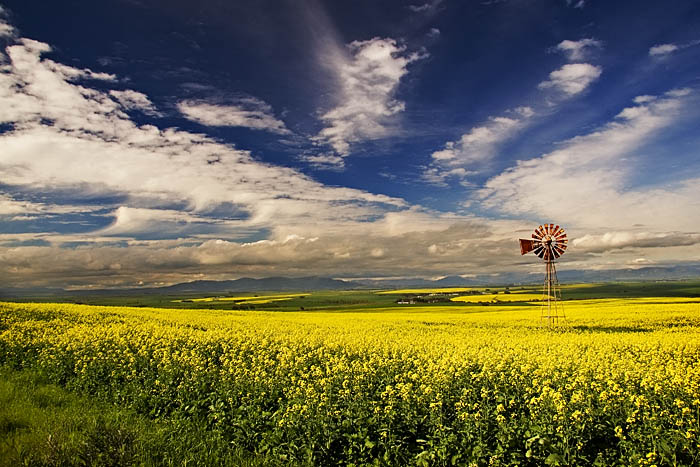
(248, 298)
(618, 385)
(427, 291)
(501, 297)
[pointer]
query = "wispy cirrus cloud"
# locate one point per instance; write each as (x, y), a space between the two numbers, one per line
(468, 154)
(368, 74)
(246, 112)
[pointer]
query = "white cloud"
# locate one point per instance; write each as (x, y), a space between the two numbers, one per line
(130, 99)
(70, 136)
(662, 49)
(386, 247)
(475, 147)
(247, 112)
(438, 176)
(625, 239)
(6, 29)
(11, 206)
(572, 78)
(585, 182)
(578, 50)
(325, 161)
(425, 7)
(479, 143)
(368, 75)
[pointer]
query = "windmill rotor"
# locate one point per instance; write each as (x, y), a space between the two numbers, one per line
(548, 242)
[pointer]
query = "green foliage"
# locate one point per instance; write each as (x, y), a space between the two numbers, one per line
(42, 424)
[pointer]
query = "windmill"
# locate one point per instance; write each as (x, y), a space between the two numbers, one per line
(549, 243)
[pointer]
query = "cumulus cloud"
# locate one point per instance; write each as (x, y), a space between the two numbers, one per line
(368, 74)
(247, 112)
(578, 50)
(625, 239)
(459, 246)
(586, 180)
(572, 78)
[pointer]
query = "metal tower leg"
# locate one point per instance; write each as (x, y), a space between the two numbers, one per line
(552, 308)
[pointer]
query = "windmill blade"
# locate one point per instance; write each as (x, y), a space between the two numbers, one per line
(556, 253)
(526, 246)
(551, 229)
(557, 231)
(558, 250)
(539, 232)
(538, 251)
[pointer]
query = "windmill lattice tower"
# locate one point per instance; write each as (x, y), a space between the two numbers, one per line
(548, 242)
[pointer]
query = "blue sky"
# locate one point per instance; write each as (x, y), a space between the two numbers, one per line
(152, 142)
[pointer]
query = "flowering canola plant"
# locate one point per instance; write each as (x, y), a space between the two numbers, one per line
(618, 384)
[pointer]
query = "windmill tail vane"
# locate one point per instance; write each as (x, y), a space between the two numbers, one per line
(548, 242)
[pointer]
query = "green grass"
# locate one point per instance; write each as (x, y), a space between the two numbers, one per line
(42, 424)
(367, 300)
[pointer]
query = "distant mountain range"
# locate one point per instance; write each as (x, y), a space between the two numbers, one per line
(247, 284)
(570, 276)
